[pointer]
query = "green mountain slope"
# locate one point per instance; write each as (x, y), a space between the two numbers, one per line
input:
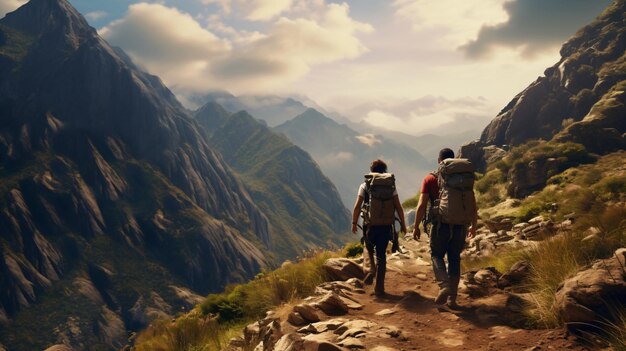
(302, 205)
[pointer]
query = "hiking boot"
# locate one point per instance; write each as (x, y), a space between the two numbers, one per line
(454, 287)
(369, 279)
(452, 303)
(443, 296)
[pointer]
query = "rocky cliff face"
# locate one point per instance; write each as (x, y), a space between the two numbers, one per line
(112, 204)
(581, 98)
(283, 179)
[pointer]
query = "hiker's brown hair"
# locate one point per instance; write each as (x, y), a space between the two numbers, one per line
(445, 153)
(378, 166)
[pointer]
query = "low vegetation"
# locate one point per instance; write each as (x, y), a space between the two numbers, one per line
(595, 196)
(222, 316)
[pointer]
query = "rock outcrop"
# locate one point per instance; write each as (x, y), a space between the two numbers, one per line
(581, 98)
(590, 297)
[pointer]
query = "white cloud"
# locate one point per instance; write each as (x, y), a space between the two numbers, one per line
(191, 59)
(534, 26)
(96, 15)
(263, 10)
(165, 41)
(368, 139)
(453, 21)
(253, 10)
(7, 6)
(428, 114)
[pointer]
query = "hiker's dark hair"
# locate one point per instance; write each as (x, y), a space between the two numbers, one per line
(378, 166)
(445, 153)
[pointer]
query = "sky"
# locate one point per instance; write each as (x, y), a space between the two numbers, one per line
(415, 66)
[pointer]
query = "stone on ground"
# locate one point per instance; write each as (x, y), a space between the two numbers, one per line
(343, 269)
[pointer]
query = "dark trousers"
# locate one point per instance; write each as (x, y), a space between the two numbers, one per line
(447, 240)
(377, 240)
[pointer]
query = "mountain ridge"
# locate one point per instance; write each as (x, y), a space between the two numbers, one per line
(344, 154)
(114, 208)
(268, 160)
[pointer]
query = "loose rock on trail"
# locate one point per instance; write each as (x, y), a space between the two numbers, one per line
(345, 315)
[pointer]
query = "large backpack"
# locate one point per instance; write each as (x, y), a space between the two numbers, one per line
(378, 207)
(456, 203)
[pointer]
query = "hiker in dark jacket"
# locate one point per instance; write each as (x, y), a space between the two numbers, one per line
(445, 239)
(377, 237)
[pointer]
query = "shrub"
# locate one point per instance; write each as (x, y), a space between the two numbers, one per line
(611, 187)
(270, 289)
(489, 180)
(186, 333)
(353, 249)
(220, 316)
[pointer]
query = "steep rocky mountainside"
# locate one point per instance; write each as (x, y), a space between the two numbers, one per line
(344, 154)
(581, 98)
(114, 209)
(303, 206)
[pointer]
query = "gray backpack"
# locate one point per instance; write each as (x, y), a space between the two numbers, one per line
(456, 203)
(378, 207)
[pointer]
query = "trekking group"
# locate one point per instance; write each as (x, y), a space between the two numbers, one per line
(446, 207)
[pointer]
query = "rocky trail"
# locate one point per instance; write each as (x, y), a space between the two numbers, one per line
(344, 314)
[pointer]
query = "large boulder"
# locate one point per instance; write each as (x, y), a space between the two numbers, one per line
(589, 297)
(343, 269)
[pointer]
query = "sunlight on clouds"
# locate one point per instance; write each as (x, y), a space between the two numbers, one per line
(263, 10)
(414, 121)
(189, 58)
(162, 38)
(7, 6)
(457, 21)
(253, 10)
(368, 139)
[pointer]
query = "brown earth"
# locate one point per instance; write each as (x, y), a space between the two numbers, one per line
(411, 321)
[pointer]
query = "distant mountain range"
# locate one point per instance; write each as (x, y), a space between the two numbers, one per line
(276, 110)
(345, 155)
(115, 205)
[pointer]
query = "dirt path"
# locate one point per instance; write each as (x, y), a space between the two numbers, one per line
(411, 321)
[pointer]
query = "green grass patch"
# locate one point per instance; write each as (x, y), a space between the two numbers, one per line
(269, 289)
(188, 333)
(222, 316)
